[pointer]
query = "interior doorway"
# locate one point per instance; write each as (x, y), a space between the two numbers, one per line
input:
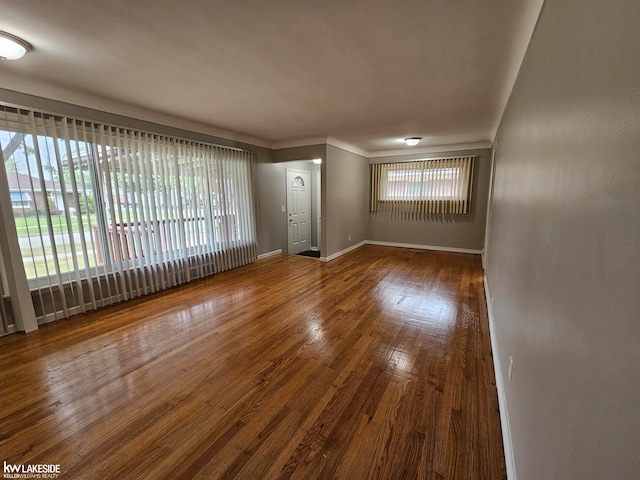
(298, 211)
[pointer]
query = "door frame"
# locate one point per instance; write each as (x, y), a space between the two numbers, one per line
(319, 210)
(306, 173)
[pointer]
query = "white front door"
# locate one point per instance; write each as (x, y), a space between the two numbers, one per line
(298, 210)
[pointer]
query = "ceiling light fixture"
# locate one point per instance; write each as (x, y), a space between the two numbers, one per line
(317, 161)
(12, 47)
(412, 141)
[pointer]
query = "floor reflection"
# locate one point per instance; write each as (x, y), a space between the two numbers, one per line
(419, 303)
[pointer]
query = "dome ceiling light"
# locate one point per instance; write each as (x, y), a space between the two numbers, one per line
(12, 47)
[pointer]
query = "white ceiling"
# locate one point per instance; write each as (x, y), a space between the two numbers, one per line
(282, 72)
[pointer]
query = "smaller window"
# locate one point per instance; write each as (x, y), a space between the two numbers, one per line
(20, 199)
(419, 188)
(20, 196)
(422, 184)
(298, 182)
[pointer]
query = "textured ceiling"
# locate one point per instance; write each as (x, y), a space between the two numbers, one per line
(367, 73)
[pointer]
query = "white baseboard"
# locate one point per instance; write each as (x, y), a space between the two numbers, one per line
(400, 245)
(269, 254)
(426, 247)
(343, 252)
(315, 249)
(502, 400)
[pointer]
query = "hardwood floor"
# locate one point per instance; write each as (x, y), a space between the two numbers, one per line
(375, 365)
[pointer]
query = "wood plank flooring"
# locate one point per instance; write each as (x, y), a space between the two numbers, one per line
(376, 365)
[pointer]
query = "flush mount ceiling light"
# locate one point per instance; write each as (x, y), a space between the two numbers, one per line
(317, 161)
(412, 141)
(12, 47)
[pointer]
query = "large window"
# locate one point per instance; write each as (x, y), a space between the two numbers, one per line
(416, 189)
(105, 213)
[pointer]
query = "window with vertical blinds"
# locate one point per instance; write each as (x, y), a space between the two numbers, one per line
(417, 189)
(105, 214)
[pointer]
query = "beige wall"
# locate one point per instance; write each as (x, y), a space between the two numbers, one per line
(345, 189)
(563, 257)
(441, 230)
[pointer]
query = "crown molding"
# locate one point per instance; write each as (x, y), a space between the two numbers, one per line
(335, 142)
(19, 85)
(431, 149)
(15, 86)
(305, 142)
(347, 146)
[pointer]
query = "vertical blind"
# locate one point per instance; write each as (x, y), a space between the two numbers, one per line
(417, 189)
(105, 214)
